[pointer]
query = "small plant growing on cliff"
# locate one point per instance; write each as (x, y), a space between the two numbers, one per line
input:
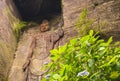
(83, 24)
(4, 79)
(85, 59)
(17, 27)
(15, 22)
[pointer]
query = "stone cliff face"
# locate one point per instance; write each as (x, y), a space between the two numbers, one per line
(34, 46)
(7, 37)
(103, 11)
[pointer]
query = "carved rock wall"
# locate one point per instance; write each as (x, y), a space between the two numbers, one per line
(33, 53)
(35, 45)
(103, 11)
(7, 37)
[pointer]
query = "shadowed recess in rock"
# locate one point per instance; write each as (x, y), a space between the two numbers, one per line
(36, 10)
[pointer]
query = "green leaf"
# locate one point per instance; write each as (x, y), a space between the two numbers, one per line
(114, 75)
(109, 40)
(62, 49)
(107, 43)
(62, 71)
(54, 54)
(90, 62)
(101, 48)
(91, 33)
(113, 59)
(56, 76)
(54, 51)
(73, 41)
(107, 64)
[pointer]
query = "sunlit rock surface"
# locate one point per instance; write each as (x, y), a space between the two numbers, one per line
(7, 37)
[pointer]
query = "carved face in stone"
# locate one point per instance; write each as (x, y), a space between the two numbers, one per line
(44, 26)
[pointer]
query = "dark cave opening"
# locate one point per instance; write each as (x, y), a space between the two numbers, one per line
(37, 10)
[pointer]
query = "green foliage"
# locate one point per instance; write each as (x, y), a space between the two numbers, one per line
(83, 24)
(15, 22)
(20, 25)
(4, 79)
(86, 58)
(17, 27)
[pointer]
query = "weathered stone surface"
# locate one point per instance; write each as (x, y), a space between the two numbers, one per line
(44, 43)
(7, 37)
(104, 11)
(33, 53)
(34, 58)
(22, 58)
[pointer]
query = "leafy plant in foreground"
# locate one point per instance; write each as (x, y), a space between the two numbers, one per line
(85, 59)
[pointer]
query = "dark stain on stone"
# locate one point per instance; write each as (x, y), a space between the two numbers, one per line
(96, 4)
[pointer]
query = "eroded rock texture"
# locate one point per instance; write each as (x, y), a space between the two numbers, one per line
(7, 37)
(22, 57)
(103, 11)
(34, 46)
(33, 53)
